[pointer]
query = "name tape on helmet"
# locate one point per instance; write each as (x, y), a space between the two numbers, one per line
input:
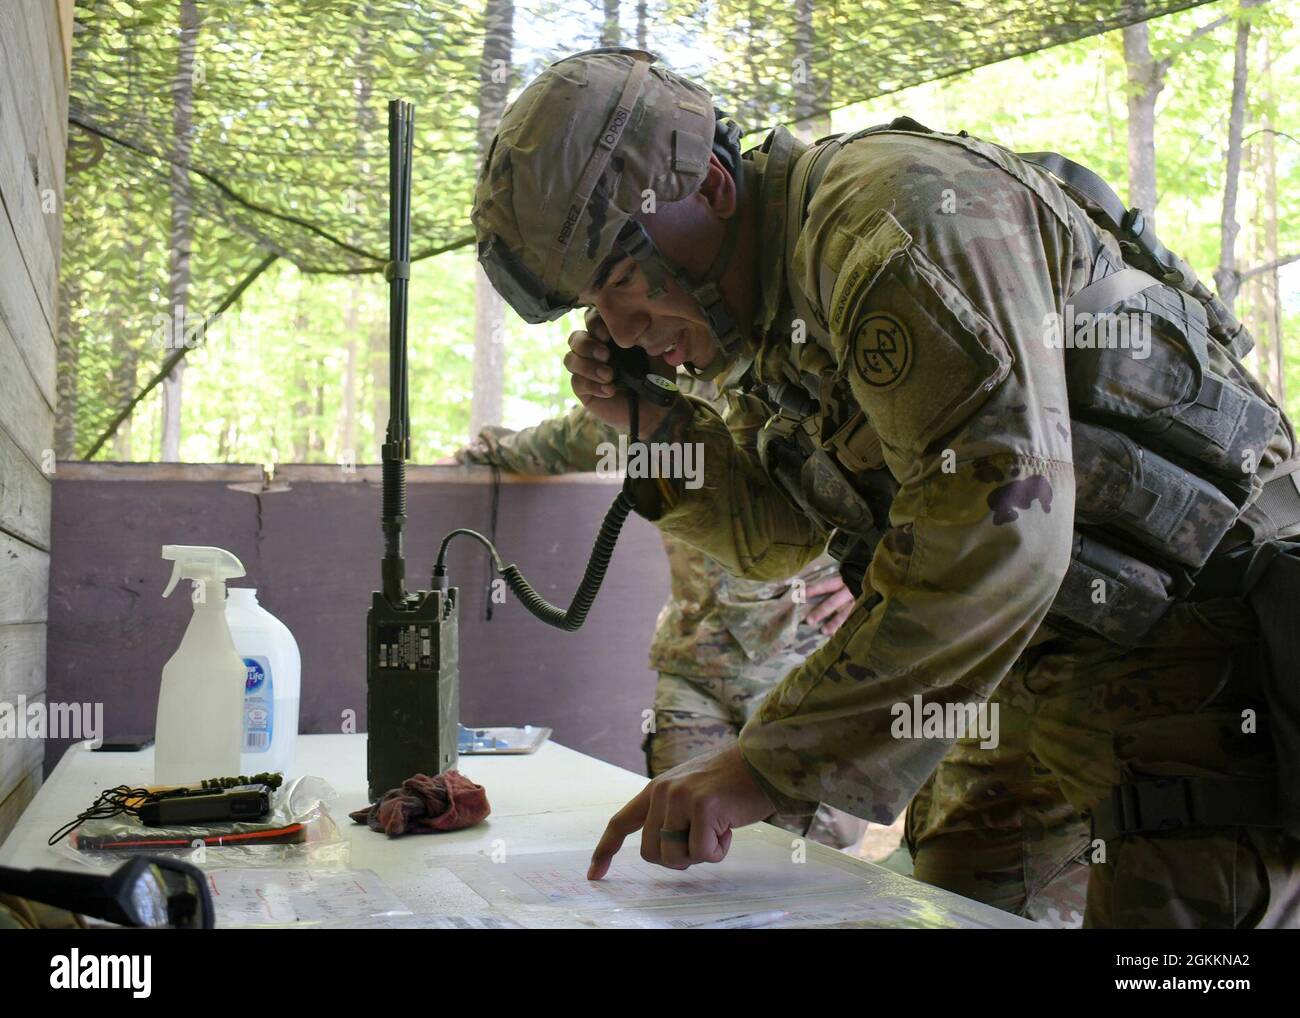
(605, 144)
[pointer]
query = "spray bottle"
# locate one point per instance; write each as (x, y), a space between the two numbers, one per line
(201, 703)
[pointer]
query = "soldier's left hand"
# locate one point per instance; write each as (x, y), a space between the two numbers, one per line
(836, 604)
(685, 815)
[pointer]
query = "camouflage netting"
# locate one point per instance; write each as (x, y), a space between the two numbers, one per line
(210, 137)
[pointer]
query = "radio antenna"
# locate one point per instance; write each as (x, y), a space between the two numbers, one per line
(397, 443)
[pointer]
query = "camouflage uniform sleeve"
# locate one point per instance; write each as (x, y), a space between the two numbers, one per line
(558, 445)
(937, 319)
(736, 516)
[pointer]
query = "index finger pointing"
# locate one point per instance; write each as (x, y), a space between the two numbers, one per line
(626, 821)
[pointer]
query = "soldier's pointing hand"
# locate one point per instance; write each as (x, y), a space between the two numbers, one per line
(686, 815)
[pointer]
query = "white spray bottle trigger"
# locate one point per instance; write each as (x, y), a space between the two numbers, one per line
(197, 562)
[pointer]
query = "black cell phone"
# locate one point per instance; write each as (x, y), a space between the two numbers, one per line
(125, 744)
(632, 371)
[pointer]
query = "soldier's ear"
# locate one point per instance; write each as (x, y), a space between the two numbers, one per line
(719, 189)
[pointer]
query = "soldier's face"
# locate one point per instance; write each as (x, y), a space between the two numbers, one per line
(688, 234)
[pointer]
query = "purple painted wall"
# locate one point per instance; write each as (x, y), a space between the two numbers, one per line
(311, 546)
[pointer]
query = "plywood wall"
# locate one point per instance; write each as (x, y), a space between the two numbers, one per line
(35, 39)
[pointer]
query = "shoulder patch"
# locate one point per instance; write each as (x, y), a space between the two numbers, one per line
(882, 350)
(920, 357)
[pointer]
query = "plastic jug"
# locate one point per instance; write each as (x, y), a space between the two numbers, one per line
(271, 687)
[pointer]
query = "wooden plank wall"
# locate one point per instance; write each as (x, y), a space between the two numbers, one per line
(35, 40)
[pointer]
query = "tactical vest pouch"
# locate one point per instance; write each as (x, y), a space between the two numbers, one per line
(857, 445)
(1276, 512)
(1140, 244)
(1136, 491)
(1171, 394)
(1267, 577)
(835, 500)
(1271, 585)
(813, 480)
(783, 460)
(1110, 593)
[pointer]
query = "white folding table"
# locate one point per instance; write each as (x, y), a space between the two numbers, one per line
(553, 801)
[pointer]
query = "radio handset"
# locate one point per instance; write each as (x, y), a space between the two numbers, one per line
(632, 371)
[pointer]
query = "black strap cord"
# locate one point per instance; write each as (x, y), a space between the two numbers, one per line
(111, 803)
(575, 615)
(494, 507)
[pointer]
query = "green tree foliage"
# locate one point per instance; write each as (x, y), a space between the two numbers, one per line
(267, 385)
(1071, 99)
(270, 376)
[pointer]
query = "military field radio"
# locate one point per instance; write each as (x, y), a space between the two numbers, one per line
(412, 682)
(412, 661)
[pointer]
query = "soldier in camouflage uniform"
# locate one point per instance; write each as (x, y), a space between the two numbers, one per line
(721, 642)
(892, 323)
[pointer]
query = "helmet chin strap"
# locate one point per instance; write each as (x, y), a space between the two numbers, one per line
(706, 290)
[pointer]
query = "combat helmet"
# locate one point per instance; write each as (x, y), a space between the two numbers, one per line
(571, 164)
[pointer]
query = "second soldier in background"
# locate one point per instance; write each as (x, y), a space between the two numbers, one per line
(721, 643)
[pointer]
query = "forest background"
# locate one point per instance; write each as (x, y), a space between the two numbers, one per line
(1194, 115)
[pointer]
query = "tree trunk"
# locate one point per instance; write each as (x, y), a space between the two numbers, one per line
(1270, 282)
(1145, 80)
(347, 449)
(810, 94)
(300, 427)
(642, 41)
(378, 385)
(488, 394)
(1251, 298)
(1226, 278)
(178, 281)
(123, 324)
(65, 412)
(124, 382)
(609, 29)
(316, 445)
(376, 346)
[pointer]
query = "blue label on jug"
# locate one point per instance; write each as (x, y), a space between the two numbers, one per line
(259, 706)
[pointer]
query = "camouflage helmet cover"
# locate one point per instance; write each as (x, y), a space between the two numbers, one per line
(570, 163)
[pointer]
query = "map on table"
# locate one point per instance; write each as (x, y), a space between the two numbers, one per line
(760, 883)
(266, 896)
